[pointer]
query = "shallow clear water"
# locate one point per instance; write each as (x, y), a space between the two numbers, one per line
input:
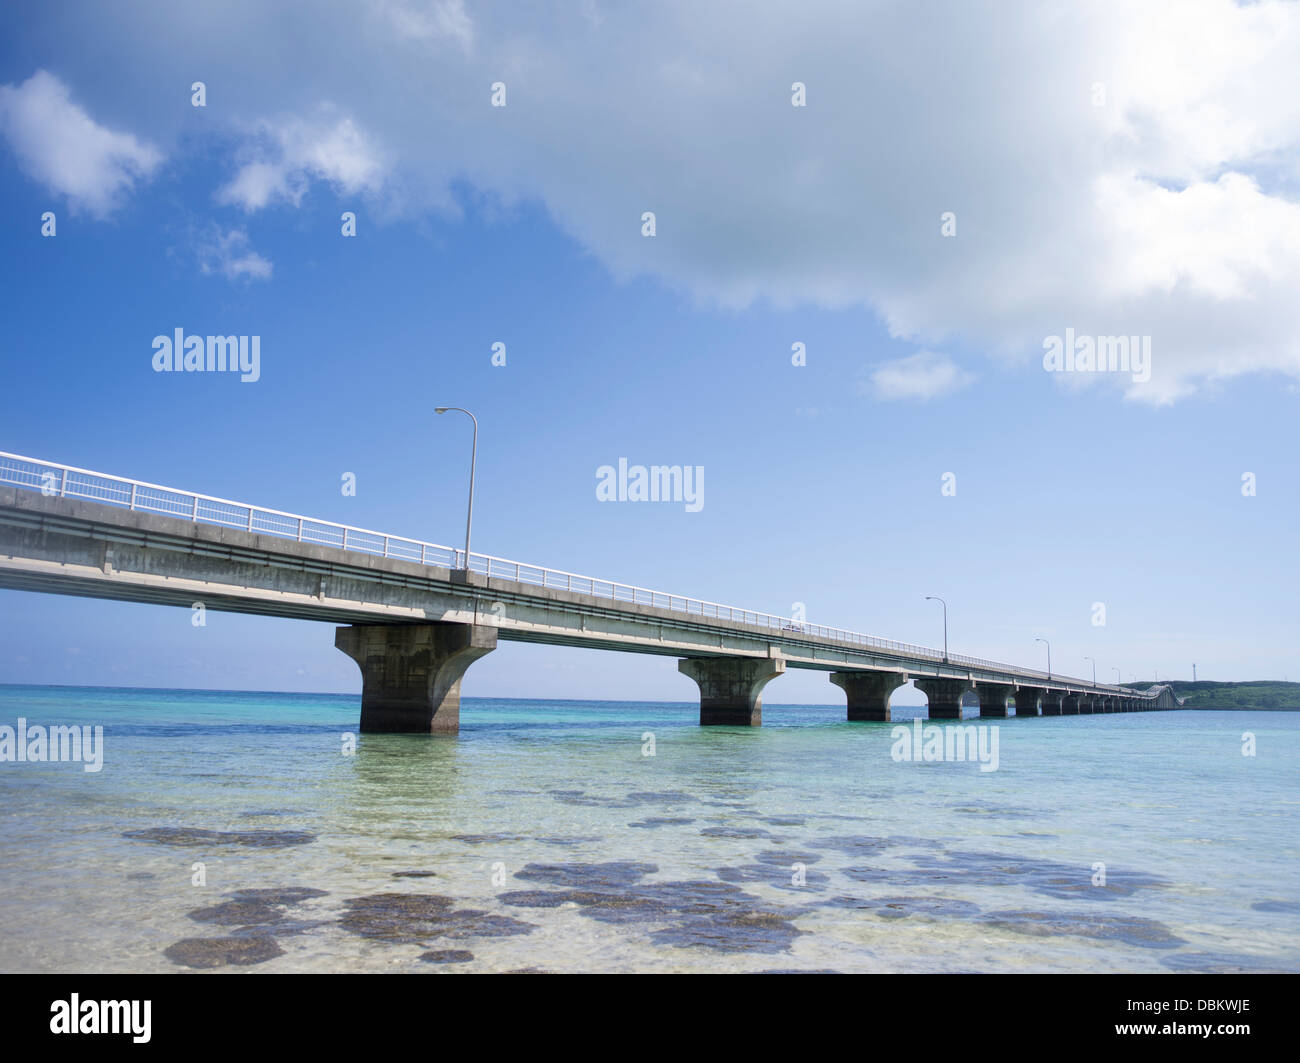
(554, 843)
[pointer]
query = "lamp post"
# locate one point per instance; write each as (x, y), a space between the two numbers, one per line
(473, 460)
(1049, 654)
(1094, 669)
(935, 598)
(1119, 679)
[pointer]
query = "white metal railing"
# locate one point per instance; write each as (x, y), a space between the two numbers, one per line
(67, 481)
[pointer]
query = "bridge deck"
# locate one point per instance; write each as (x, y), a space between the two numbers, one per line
(72, 531)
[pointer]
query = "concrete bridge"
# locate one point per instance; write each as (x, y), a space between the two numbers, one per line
(417, 615)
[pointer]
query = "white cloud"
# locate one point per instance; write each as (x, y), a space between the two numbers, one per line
(230, 254)
(430, 19)
(1169, 211)
(286, 155)
(923, 375)
(59, 145)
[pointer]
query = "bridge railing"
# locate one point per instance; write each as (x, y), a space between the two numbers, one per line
(67, 481)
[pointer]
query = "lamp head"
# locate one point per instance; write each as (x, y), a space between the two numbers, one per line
(441, 409)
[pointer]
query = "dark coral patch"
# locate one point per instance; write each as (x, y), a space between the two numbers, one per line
(238, 913)
(279, 894)
(613, 874)
(223, 952)
(196, 836)
(706, 914)
(735, 832)
(1129, 929)
(410, 918)
(447, 956)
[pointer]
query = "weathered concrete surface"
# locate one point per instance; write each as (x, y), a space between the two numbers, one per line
(411, 673)
(944, 696)
(993, 698)
(731, 688)
(1053, 703)
(868, 693)
(1027, 699)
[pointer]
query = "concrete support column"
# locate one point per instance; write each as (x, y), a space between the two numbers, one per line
(1069, 704)
(868, 692)
(1027, 700)
(411, 673)
(993, 698)
(945, 696)
(1086, 705)
(1053, 703)
(731, 688)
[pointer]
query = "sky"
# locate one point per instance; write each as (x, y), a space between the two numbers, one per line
(872, 222)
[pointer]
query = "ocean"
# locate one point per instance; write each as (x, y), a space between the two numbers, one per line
(245, 832)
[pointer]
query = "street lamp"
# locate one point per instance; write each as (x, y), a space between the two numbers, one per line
(1119, 679)
(1049, 654)
(1094, 669)
(935, 598)
(473, 459)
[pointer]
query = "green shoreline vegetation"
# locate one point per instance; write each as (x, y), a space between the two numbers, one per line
(1254, 694)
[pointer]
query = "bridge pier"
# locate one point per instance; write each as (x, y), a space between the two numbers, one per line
(411, 673)
(731, 688)
(868, 693)
(1069, 704)
(1086, 705)
(1027, 699)
(993, 698)
(1053, 703)
(944, 696)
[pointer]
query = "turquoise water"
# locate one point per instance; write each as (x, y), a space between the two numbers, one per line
(543, 838)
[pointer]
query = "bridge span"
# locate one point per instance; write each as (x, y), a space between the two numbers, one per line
(417, 614)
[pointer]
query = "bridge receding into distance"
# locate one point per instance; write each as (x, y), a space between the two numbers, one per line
(417, 615)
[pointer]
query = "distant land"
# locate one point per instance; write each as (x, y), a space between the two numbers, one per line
(1255, 694)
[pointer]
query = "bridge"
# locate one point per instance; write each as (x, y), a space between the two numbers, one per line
(416, 615)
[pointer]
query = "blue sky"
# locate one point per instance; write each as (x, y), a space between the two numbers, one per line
(522, 225)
